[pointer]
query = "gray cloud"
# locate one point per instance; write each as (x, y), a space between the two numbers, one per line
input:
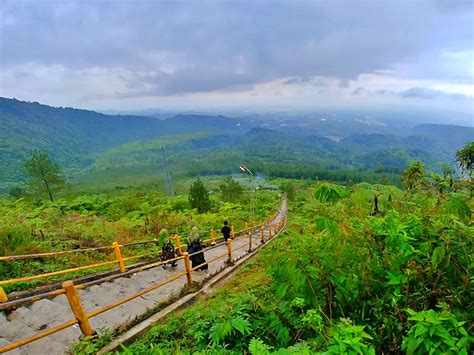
(415, 93)
(358, 91)
(297, 80)
(173, 48)
(424, 93)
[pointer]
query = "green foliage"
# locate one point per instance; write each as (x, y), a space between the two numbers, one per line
(163, 237)
(45, 176)
(90, 220)
(329, 193)
(16, 192)
(327, 224)
(432, 332)
(258, 347)
(456, 205)
(199, 197)
(289, 188)
(229, 328)
(340, 280)
(231, 189)
(465, 158)
(91, 345)
(349, 339)
(413, 177)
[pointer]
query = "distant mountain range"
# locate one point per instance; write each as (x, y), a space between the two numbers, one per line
(81, 140)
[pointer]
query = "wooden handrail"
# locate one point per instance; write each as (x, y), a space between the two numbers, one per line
(65, 252)
(69, 288)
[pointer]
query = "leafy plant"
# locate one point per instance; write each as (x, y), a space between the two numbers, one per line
(349, 339)
(435, 332)
(329, 193)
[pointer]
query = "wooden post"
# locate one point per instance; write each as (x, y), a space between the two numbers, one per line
(77, 309)
(262, 235)
(213, 236)
(187, 267)
(229, 251)
(232, 232)
(3, 295)
(270, 230)
(178, 245)
(118, 256)
(250, 242)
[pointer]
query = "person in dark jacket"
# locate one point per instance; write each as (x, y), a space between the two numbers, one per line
(226, 231)
(194, 246)
(167, 249)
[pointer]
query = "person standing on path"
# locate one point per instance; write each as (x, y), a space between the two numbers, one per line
(195, 245)
(226, 231)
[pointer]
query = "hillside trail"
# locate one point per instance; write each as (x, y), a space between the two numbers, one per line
(48, 313)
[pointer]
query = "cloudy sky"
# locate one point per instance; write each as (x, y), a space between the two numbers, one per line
(248, 54)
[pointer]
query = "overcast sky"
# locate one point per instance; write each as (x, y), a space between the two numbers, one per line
(249, 54)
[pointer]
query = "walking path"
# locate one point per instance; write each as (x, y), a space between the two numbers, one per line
(46, 314)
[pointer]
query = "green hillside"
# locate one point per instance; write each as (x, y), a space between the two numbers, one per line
(114, 150)
(75, 138)
(343, 279)
(380, 263)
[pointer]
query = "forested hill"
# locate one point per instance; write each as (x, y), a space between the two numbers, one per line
(87, 143)
(452, 137)
(73, 137)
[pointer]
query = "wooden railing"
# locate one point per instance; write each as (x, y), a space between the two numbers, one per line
(118, 260)
(273, 225)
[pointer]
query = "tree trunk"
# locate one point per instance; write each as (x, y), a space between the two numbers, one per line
(47, 186)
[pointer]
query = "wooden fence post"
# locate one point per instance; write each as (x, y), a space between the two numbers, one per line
(77, 308)
(3, 295)
(213, 236)
(178, 245)
(250, 242)
(187, 267)
(262, 234)
(118, 256)
(229, 251)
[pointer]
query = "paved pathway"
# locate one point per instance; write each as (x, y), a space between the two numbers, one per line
(46, 314)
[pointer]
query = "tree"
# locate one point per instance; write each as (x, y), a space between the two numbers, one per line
(289, 189)
(199, 197)
(465, 159)
(45, 176)
(16, 192)
(443, 183)
(414, 176)
(231, 189)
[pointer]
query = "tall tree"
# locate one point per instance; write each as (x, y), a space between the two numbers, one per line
(289, 189)
(414, 176)
(231, 189)
(45, 176)
(199, 197)
(465, 159)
